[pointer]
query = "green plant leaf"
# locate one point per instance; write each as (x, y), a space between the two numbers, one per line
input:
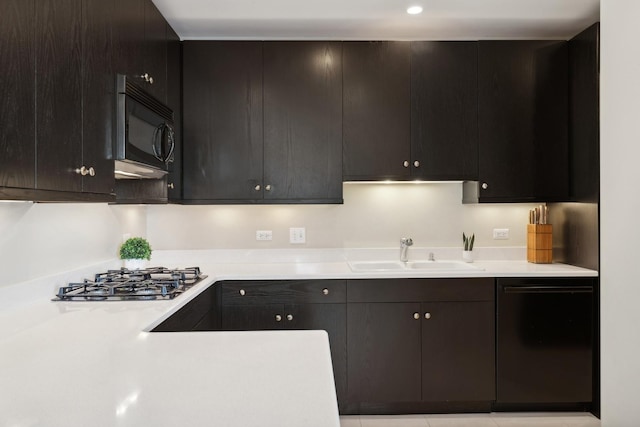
(135, 248)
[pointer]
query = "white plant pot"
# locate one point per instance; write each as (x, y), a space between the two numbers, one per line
(467, 256)
(135, 264)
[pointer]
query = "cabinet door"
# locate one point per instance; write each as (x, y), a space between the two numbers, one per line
(444, 110)
(333, 319)
(98, 95)
(376, 117)
(17, 86)
(458, 351)
(58, 94)
(222, 121)
(383, 352)
(128, 37)
(174, 78)
(252, 317)
(522, 120)
(303, 121)
(584, 115)
(155, 50)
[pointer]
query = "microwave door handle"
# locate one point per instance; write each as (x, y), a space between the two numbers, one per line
(157, 140)
(172, 143)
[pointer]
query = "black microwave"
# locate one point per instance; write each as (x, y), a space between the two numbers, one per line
(145, 139)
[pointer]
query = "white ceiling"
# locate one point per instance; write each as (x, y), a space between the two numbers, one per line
(378, 19)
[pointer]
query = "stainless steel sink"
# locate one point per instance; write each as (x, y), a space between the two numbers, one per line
(362, 266)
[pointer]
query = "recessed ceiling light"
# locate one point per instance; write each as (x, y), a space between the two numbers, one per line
(414, 10)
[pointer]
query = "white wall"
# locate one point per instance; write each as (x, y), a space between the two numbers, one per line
(373, 215)
(620, 203)
(41, 239)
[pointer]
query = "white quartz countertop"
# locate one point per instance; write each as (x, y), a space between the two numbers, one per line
(95, 363)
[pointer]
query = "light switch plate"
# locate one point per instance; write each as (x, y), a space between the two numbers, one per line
(500, 234)
(297, 235)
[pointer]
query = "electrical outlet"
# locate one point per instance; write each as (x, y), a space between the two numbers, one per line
(297, 235)
(500, 234)
(264, 235)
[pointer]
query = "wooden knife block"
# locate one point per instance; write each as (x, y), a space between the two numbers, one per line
(540, 243)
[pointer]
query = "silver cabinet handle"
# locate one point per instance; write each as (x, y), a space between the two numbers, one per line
(485, 185)
(242, 292)
(84, 171)
(416, 164)
(289, 317)
(257, 187)
(278, 318)
(406, 163)
(325, 291)
(171, 186)
(267, 187)
(416, 316)
(427, 315)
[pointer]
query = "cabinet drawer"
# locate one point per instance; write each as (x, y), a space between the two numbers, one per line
(416, 290)
(283, 292)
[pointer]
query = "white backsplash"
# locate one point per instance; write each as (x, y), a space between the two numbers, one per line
(42, 239)
(372, 216)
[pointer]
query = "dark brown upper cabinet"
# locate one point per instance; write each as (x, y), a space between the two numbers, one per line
(140, 36)
(57, 84)
(303, 122)
(410, 110)
(376, 116)
(58, 95)
(98, 95)
(262, 122)
(223, 142)
(17, 86)
(522, 122)
(584, 112)
(444, 110)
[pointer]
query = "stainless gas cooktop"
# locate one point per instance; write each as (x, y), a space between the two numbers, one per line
(156, 283)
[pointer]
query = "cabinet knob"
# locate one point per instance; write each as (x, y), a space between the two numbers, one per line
(325, 291)
(267, 187)
(406, 163)
(427, 315)
(289, 317)
(416, 164)
(171, 186)
(278, 318)
(257, 187)
(84, 171)
(147, 78)
(485, 186)
(416, 316)
(242, 292)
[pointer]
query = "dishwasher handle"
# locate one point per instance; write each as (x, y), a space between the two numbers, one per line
(547, 289)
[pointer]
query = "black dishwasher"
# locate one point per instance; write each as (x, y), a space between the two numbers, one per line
(545, 336)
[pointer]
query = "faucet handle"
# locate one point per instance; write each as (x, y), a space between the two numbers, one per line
(406, 241)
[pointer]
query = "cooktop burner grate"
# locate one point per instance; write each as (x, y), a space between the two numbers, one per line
(121, 285)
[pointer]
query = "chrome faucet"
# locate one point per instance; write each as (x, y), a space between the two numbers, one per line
(405, 242)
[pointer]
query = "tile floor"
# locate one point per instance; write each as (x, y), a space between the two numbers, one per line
(496, 419)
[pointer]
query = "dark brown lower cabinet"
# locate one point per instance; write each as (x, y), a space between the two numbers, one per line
(294, 304)
(420, 345)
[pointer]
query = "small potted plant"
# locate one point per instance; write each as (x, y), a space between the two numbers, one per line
(467, 254)
(135, 252)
